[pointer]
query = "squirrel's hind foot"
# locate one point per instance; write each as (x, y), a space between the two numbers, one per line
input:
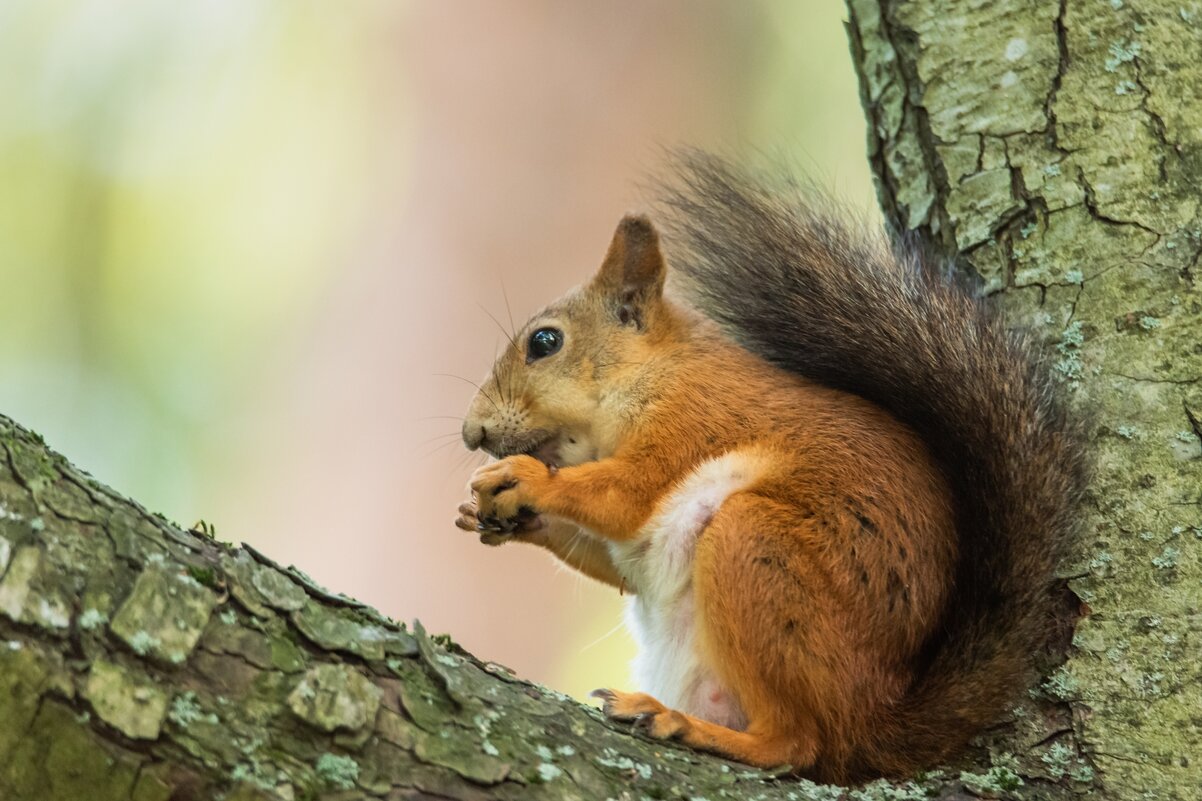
(752, 747)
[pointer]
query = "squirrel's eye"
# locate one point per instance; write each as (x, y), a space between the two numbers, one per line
(543, 343)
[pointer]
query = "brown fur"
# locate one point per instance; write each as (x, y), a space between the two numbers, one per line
(818, 588)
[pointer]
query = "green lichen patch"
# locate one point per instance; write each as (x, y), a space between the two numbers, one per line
(164, 615)
(29, 591)
(880, 790)
(92, 618)
(1062, 684)
(331, 697)
(128, 702)
(186, 710)
(278, 590)
(337, 771)
(1000, 781)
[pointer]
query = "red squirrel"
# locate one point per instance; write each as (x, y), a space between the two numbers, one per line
(834, 485)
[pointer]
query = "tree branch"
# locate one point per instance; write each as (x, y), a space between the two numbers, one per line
(140, 661)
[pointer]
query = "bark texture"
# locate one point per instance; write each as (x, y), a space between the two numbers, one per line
(141, 662)
(1056, 149)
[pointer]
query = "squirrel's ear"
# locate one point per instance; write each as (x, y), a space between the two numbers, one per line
(633, 271)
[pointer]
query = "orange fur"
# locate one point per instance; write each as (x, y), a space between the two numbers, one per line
(822, 568)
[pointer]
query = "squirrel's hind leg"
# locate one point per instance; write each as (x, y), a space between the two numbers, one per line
(779, 635)
(752, 747)
(773, 632)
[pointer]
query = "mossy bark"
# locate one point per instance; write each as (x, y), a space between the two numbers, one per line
(141, 661)
(1056, 150)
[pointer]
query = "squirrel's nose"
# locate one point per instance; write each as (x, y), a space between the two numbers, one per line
(473, 434)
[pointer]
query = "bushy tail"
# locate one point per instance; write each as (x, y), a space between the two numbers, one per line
(796, 283)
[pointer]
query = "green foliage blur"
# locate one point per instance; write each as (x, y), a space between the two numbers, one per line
(174, 179)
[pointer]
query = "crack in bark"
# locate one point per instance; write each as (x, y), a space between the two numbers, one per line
(1062, 66)
(1194, 422)
(1119, 758)
(1091, 205)
(16, 474)
(877, 144)
(904, 74)
(1054, 735)
(1159, 130)
(1144, 380)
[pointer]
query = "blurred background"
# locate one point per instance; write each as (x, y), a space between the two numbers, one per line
(241, 241)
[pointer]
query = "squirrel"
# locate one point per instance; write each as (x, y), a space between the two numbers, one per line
(834, 484)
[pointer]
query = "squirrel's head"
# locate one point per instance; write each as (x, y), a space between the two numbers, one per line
(569, 380)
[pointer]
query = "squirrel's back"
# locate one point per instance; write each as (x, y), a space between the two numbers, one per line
(800, 287)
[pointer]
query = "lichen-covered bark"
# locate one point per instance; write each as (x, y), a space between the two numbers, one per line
(141, 662)
(1057, 149)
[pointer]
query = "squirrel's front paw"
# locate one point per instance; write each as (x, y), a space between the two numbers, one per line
(505, 493)
(529, 529)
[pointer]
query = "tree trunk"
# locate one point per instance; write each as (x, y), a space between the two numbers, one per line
(1053, 149)
(1057, 149)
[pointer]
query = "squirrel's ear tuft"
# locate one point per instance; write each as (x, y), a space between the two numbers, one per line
(633, 271)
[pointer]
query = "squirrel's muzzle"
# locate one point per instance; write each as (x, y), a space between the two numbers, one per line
(473, 434)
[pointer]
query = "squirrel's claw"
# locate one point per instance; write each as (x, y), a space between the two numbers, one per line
(503, 492)
(494, 530)
(642, 711)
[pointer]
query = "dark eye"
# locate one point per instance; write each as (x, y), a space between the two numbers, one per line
(543, 343)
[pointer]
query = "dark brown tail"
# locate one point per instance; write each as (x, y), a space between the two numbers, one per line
(794, 282)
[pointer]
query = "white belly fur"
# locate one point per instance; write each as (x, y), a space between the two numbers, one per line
(661, 615)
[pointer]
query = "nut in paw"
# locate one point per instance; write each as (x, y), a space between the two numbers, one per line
(504, 493)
